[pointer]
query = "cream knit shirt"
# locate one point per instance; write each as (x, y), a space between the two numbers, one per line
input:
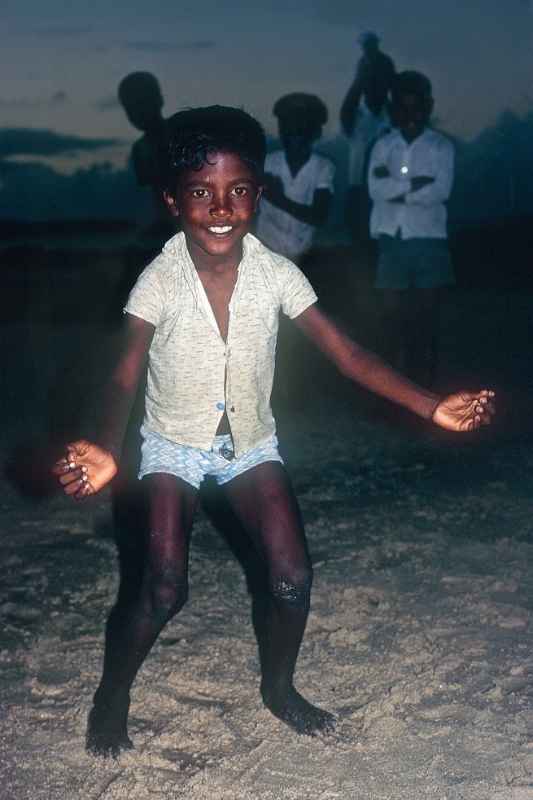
(193, 375)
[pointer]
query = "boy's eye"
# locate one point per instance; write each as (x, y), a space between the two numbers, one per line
(200, 194)
(240, 191)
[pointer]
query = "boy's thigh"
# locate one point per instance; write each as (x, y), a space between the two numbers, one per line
(171, 506)
(264, 501)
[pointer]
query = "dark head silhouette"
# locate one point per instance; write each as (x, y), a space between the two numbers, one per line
(369, 42)
(300, 120)
(411, 103)
(298, 110)
(140, 95)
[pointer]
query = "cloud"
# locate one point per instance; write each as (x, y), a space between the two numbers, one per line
(107, 103)
(36, 142)
(59, 98)
(62, 31)
(19, 102)
(167, 47)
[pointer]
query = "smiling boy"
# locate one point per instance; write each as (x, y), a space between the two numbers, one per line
(205, 314)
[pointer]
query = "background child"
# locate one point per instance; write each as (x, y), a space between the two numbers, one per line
(142, 100)
(205, 313)
(298, 183)
(410, 179)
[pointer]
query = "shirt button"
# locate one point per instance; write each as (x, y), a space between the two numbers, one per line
(232, 409)
(220, 406)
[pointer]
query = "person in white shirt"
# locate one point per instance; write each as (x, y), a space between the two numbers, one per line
(410, 179)
(298, 182)
(298, 188)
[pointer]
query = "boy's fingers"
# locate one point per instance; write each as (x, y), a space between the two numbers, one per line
(74, 486)
(63, 465)
(79, 487)
(85, 490)
(71, 475)
(60, 467)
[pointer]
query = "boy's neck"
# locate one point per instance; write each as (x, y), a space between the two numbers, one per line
(205, 262)
(296, 161)
(410, 138)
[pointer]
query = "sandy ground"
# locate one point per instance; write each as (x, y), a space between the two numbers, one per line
(419, 638)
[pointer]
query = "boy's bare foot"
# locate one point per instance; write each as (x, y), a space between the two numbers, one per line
(107, 731)
(300, 715)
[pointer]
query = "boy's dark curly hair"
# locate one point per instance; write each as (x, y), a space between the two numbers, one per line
(302, 106)
(411, 82)
(196, 133)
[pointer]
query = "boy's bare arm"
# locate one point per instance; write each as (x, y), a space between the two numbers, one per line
(315, 214)
(120, 393)
(350, 105)
(460, 412)
(89, 466)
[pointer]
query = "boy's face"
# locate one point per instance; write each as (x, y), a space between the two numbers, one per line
(216, 206)
(297, 136)
(410, 113)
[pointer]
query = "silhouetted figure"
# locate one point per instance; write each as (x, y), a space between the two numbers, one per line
(141, 98)
(363, 118)
(298, 182)
(410, 179)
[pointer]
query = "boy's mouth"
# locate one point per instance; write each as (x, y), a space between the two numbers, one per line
(220, 230)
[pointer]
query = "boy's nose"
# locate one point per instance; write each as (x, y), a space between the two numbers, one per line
(220, 207)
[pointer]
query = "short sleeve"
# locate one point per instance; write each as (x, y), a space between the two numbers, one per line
(326, 175)
(148, 297)
(297, 294)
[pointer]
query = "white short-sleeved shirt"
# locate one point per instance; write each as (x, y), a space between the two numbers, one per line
(193, 375)
(423, 215)
(279, 230)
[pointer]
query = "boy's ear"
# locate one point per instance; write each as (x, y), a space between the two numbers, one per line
(258, 195)
(171, 204)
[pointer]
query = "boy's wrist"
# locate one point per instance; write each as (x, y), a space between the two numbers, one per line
(432, 403)
(109, 443)
(425, 404)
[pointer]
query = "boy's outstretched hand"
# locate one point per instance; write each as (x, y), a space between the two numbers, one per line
(85, 469)
(465, 411)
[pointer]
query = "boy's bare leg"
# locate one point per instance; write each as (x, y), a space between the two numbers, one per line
(264, 501)
(133, 626)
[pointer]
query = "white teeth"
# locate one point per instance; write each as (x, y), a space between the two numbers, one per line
(220, 228)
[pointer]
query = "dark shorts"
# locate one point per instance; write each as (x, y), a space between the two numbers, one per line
(413, 263)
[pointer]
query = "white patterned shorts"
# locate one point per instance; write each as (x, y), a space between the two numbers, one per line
(192, 464)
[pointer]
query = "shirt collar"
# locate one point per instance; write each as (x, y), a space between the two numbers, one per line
(420, 138)
(176, 248)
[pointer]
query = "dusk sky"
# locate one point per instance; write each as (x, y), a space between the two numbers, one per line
(62, 60)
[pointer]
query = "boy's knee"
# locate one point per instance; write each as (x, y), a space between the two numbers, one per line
(293, 588)
(167, 598)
